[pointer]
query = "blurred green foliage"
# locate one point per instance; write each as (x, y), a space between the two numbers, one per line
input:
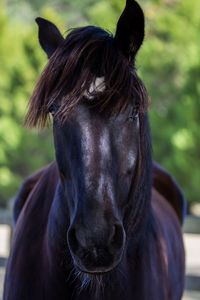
(168, 63)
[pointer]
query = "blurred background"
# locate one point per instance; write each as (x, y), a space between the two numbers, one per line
(168, 63)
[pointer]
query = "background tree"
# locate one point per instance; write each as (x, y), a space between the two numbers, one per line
(169, 64)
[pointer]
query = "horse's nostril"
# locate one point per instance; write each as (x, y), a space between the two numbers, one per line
(72, 240)
(118, 236)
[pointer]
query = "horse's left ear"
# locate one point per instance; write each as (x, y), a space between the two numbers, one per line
(130, 29)
(49, 36)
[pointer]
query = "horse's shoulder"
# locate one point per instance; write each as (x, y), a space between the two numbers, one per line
(167, 186)
(28, 185)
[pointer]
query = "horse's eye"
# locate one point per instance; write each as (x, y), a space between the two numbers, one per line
(134, 114)
(52, 113)
(52, 109)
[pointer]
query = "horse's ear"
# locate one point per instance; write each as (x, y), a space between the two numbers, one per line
(130, 29)
(49, 36)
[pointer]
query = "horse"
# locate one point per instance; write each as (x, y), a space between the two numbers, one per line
(102, 221)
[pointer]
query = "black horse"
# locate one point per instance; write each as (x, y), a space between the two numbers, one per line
(90, 225)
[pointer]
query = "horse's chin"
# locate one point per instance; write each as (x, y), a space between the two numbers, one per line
(95, 282)
(95, 271)
(96, 278)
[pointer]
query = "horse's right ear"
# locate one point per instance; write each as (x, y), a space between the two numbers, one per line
(130, 29)
(49, 36)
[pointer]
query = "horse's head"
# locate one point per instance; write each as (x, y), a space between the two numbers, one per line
(97, 101)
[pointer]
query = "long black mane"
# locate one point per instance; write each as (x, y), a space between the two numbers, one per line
(86, 53)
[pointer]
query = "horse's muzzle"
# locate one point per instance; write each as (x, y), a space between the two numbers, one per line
(96, 252)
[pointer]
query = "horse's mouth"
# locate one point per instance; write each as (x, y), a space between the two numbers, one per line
(95, 272)
(96, 267)
(95, 280)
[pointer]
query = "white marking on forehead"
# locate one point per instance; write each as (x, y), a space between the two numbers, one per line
(98, 85)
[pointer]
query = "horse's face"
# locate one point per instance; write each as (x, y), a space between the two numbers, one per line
(96, 153)
(96, 157)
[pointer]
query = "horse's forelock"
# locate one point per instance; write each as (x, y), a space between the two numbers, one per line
(88, 53)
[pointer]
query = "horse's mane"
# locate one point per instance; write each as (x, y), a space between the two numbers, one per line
(86, 53)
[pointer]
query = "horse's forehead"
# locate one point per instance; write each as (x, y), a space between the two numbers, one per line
(99, 136)
(95, 128)
(95, 138)
(95, 132)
